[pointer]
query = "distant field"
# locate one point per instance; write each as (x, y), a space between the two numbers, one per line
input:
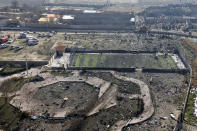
(123, 61)
(39, 2)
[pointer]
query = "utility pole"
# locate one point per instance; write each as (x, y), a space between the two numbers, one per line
(26, 64)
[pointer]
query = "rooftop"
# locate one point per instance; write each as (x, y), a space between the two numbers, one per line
(61, 47)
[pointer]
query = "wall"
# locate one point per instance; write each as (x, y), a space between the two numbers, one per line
(52, 59)
(85, 50)
(181, 71)
(23, 63)
(103, 68)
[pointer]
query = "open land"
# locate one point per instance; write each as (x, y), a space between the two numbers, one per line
(45, 98)
(46, 46)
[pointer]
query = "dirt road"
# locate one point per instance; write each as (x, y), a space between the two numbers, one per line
(148, 105)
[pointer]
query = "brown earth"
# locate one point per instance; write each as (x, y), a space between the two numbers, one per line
(194, 63)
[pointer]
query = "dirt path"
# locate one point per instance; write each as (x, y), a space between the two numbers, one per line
(148, 106)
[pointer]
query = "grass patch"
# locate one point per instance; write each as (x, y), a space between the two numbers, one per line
(9, 71)
(103, 58)
(171, 62)
(77, 63)
(154, 63)
(162, 62)
(9, 114)
(15, 83)
(86, 60)
(122, 61)
(189, 115)
(94, 60)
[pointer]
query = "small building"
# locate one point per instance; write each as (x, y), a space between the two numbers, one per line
(47, 20)
(132, 20)
(68, 17)
(60, 50)
(89, 11)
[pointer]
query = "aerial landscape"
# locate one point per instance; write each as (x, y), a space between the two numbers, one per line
(98, 65)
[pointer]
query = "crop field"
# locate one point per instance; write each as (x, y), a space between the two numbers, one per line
(117, 60)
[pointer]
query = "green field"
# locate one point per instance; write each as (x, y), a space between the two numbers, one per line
(115, 60)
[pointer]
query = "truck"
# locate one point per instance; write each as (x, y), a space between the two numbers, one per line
(4, 39)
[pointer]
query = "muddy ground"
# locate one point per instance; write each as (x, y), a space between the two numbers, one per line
(106, 118)
(168, 96)
(80, 97)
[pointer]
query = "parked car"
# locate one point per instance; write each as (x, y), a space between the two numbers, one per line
(22, 35)
(12, 47)
(3, 46)
(32, 39)
(49, 35)
(40, 35)
(32, 42)
(17, 48)
(10, 41)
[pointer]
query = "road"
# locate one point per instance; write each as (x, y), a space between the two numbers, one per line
(85, 30)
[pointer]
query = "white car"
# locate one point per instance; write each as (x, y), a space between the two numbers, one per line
(10, 41)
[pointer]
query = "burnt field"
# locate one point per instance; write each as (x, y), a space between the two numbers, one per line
(106, 118)
(81, 99)
(70, 96)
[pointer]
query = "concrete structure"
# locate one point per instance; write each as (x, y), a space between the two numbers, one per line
(89, 11)
(60, 50)
(68, 17)
(45, 20)
(52, 18)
